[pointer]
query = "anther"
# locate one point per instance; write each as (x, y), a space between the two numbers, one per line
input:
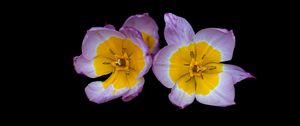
(111, 52)
(106, 63)
(192, 54)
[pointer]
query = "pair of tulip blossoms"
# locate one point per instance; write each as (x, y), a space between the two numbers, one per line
(190, 64)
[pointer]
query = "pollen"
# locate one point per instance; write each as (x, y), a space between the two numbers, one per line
(121, 62)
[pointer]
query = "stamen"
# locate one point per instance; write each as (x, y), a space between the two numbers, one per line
(192, 54)
(121, 62)
(186, 64)
(188, 80)
(211, 67)
(201, 69)
(123, 50)
(203, 57)
(127, 72)
(106, 63)
(111, 52)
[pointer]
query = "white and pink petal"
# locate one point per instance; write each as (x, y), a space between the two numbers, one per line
(161, 65)
(148, 64)
(136, 37)
(181, 98)
(222, 95)
(177, 30)
(94, 37)
(143, 23)
(134, 91)
(109, 26)
(98, 94)
(236, 72)
(221, 39)
(84, 66)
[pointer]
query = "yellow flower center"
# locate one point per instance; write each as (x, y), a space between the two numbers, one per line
(121, 62)
(121, 57)
(195, 68)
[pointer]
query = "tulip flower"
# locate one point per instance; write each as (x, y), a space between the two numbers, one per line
(191, 64)
(122, 54)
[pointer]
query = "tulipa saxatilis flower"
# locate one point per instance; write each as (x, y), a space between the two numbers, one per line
(191, 64)
(122, 54)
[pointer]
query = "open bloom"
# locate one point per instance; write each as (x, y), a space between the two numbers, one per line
(122, 54)
(148, 28)
(190, 64)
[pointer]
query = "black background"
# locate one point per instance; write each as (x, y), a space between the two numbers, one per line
(154, 97)
(61, 28)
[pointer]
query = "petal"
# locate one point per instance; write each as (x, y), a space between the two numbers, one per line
(152, 43)
(98, 94)
(207, 53)
(119, 80)
(222, 95)
(237, 73)
(139, 63)
(134, 91)
(94, 37)
(221, 39)
(84, 66)
(145, 24)
(109, 26)
(140, 66)
(147, 67)
(136, 37)
(103, 65)
(161, 65)
(177, 30)
(214, 68)
(183, 93)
